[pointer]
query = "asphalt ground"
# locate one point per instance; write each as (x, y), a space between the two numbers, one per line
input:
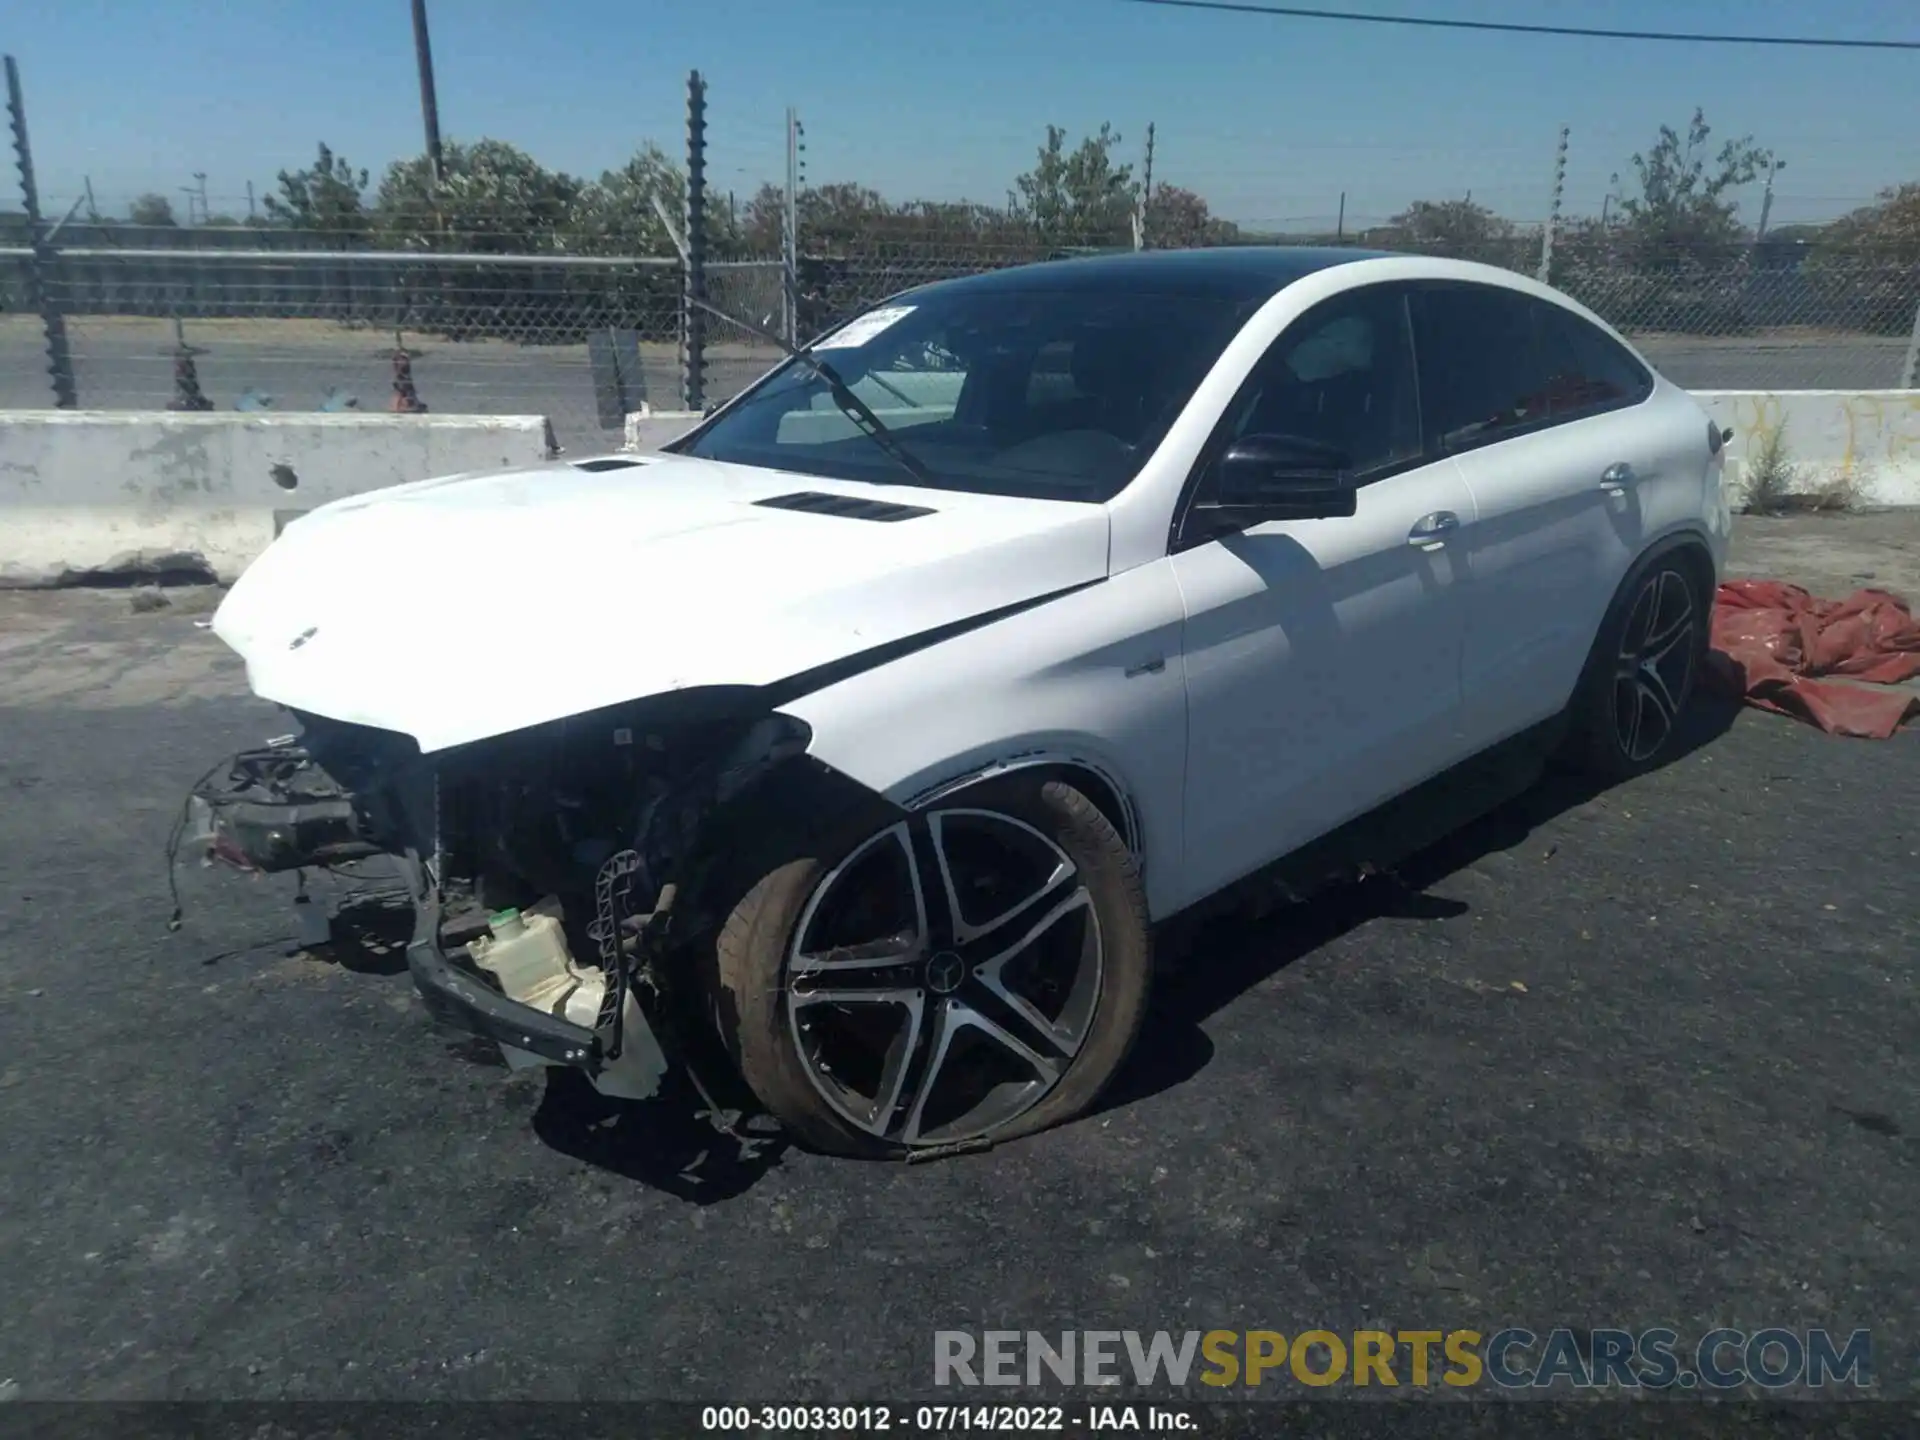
(126, 364)
(1637, 1058)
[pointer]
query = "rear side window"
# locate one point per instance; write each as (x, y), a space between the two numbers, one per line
(1591, 371)
(1495, 363)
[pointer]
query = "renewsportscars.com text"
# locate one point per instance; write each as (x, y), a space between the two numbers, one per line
(1510, 1358)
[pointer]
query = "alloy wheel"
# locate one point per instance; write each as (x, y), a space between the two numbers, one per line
(943, 977)
(1653, 672)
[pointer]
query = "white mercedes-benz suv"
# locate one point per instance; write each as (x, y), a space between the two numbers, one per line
(848, 753)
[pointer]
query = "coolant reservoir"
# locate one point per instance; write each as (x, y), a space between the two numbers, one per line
(528, 952)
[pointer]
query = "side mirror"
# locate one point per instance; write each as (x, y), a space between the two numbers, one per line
(1280, 477)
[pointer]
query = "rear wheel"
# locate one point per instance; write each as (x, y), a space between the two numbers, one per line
(971, 973)
(1645, 666)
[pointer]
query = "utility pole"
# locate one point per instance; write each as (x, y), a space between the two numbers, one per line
(93, 210)
(429, 103)
(1774, 167)
(790, 227)
(250, 211)
(1553, 209)
(1340, 224)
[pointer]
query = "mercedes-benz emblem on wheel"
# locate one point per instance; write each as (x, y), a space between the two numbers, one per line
(945, 971)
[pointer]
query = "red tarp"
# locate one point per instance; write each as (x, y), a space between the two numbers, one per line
(1771, 640)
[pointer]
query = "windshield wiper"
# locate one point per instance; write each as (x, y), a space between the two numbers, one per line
(851, 405)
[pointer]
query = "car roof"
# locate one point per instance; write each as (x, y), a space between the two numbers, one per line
(1252, 272)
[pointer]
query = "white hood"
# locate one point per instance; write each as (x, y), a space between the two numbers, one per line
(453, 610)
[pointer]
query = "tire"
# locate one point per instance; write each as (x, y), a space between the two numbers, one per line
(845, 1076)
(1618, 689)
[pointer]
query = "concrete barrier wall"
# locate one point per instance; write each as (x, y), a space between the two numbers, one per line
(95, 493)
(650, 429)
(1864, 442)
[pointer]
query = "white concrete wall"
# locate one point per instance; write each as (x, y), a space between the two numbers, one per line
(96, 492)
(1865, 440)
(650, 429)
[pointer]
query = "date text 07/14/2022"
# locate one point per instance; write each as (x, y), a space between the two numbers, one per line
(944, 1419)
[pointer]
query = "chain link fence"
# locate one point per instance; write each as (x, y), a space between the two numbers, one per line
(583, 340)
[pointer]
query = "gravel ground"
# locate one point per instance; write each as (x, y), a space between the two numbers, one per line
(1646, 1057)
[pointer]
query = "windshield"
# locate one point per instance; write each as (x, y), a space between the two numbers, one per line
(1044, 394)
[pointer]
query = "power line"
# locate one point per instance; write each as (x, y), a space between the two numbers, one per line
(1293, 12)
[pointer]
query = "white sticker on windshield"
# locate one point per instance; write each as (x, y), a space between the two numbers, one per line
(858, 332)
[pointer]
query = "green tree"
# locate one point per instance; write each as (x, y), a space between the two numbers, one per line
(1458, 229)
(1180, 219)
(1078, 196)
(1887, 230)
(495, 199)
(327, 198)
(1685, 209)
(151, 210)
(616, 215)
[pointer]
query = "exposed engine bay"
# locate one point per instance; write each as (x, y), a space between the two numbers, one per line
(557, 874)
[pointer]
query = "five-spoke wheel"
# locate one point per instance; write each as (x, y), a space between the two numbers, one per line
(971, 972)
(1654, 665)
(1645, 665)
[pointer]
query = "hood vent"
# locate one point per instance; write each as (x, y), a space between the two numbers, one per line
(847, 507)
(612, 462)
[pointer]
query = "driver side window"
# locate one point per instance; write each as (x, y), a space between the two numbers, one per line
(1341, 375)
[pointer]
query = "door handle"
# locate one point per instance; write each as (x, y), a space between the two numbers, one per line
(1617, 478)
(1430, 531)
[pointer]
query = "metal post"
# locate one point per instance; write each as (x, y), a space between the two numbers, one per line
(1340, 223)
(790, 235)
(41, 262)
(1553, 210)
(1910, 370)
(1774, 167)
(693, 379)
(1143, 236)
(429, 101)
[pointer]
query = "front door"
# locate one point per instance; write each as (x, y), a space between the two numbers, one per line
(1323, 656)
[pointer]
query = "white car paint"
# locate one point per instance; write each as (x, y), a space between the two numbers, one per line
(1323, 672)
(557, 591)
(1241, 697)
(1557, 530)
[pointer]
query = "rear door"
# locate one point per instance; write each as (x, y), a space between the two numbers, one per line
(1536, 409)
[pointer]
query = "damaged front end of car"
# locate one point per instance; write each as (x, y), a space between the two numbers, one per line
(563, 878)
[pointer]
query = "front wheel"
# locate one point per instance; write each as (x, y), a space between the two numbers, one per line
(1645, 665)
(974, 972)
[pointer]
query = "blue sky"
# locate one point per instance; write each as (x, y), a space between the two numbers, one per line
(1270, 119)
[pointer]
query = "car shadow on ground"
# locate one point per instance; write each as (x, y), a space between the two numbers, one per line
(664, 1142)
(1208, 964)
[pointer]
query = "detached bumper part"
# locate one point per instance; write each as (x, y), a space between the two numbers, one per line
(459, 999)
(529, 1036)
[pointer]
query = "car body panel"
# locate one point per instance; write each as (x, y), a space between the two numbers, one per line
(1553, 541)
(1323, 672)
(565, 591)
(1092, 679)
